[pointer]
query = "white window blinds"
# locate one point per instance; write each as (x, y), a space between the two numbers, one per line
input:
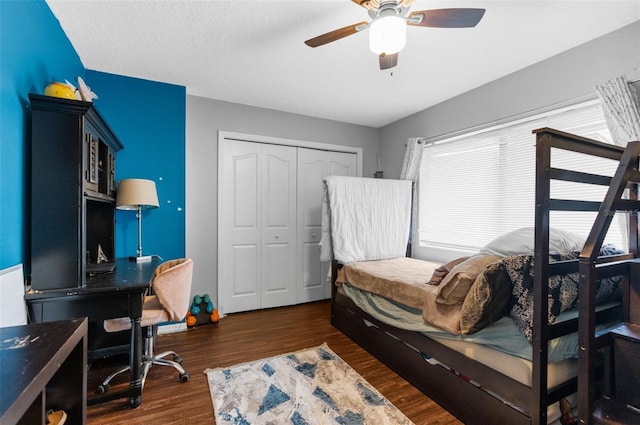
(478, 186)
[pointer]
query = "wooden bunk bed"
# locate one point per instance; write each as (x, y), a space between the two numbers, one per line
(478, 394)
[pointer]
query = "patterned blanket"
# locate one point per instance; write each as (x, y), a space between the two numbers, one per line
(563, 289)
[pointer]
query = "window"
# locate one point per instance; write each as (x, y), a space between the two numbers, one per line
(477, 186)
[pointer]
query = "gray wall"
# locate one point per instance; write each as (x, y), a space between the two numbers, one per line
(205, 117)
(568, 76)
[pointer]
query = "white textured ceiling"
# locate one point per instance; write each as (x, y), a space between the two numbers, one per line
(253, 52)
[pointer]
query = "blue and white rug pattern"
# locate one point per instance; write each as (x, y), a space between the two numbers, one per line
(308, 387)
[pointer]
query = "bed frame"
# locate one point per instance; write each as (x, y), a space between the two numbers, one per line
(499, 399)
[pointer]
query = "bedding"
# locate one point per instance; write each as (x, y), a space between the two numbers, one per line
(402, 279)
(488, 299)
(563, 289)
(444, 307)
(477, 291)
(454, 287)
(502, 336)
(441, 272)
(405, 279)
(359, 205)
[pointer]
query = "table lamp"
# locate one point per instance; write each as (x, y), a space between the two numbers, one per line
(136, 195)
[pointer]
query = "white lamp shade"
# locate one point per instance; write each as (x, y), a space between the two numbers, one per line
(387, 35)
(134, 193)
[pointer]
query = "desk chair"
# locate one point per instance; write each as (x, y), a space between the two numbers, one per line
(171, 288)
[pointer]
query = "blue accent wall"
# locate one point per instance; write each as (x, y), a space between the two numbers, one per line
(148, 117)
(34, 51)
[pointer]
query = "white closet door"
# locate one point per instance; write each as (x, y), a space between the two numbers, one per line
(313, 167)
(240, 262)
(257, 252)
(278, 209)
(342, 164)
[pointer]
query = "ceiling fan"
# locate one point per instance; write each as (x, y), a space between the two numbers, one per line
(387, 30)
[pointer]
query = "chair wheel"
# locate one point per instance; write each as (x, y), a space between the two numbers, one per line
(135, 401)
(177, 359)
(184, 377)
(103, 388)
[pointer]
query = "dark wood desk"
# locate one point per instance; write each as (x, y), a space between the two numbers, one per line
(43, 367)
(105, 296)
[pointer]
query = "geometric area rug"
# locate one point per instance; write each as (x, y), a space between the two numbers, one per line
(307, 387)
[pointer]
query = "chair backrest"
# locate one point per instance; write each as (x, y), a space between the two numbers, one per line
(171, 283)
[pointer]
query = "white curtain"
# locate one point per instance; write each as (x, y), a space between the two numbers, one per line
(411, 171)
(622, 113)
(412, 159)
(620, 107)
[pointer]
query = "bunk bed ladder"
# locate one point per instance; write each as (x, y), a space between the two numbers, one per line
(618, 400)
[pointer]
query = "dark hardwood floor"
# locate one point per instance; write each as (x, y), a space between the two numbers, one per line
(244, 337)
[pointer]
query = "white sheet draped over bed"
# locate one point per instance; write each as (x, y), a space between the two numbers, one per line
(365, 219)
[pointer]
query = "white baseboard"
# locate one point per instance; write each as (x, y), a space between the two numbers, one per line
(171, 328)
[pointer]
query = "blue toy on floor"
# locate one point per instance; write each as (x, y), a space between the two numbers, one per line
(202, 311)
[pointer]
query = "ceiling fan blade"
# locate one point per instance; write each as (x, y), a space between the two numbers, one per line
(336, 34)
(362, 3)
(367, 4)
(388, 61)
(446, 18)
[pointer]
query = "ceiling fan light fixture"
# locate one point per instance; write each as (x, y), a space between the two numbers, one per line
(387, 35)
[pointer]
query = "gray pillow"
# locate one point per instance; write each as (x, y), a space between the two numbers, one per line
(456, 284)
(488, 299)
